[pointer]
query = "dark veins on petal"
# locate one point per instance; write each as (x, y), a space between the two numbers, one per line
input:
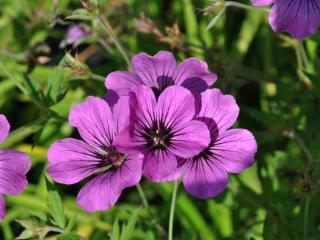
(158, 136)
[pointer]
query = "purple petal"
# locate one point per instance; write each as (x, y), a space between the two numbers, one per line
(193, 74)
(74, 34)
(72, 160)
(13, 167)
(204, 178)
(160, 166)
(4, 128)
(299, 18)
(121, 82)
(262, 2)
(143, 103)
(111, 98)
(218, 111)
(121, 114)
(94, 121)
(235, 150)
(155, 71)
(104, 190)
(190, 139)
(176, 106)
(2, 207)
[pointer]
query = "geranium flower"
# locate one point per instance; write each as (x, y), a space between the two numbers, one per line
(300, 18)
(13, 168)
(74, 34)
(230, 150)
(72, 160)
(163, 130)
(159, 72)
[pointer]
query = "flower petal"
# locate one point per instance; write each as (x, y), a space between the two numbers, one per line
(235, 150)
(204, 178)
(299, 18)
(142, 105)
(262, 2)
(190, 139)
(104, 190)
(111, 98)
(121, 114)
(193, 74)
(222, 109)
(13, 160)
(121, 82)
(176, 106)
(155, 71)
(13, 167)
(4, 128)
(72, 160)
(2, 207)
(160, 166)
(94, 121)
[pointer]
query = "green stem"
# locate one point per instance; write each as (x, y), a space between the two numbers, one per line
(173, 203)
(244, 6)
(107, 28)
(306, 218)
(97, 77)
(303, 54)
(143, 196)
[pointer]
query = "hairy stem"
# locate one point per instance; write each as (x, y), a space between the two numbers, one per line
(108, 29)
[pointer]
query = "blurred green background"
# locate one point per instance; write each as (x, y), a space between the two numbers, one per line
(275, 80)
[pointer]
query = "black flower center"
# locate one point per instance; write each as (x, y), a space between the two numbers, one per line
(112, 157)
(157, 137)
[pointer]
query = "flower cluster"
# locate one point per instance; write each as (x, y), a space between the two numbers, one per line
(13, 168)
(160, 121)
(300, 18)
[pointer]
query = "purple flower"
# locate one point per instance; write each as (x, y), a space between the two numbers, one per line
(72, 160)
(230, 150)
(300, 18)
(73, 35)
(13, 168)
(163, 130)
(159, 72)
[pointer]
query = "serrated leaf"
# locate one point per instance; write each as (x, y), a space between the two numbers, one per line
(56, 209)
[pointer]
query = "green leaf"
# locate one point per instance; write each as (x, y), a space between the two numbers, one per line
(56, 209)
(116, 230)
(26, 234)
(54, 88)
(70, 236)
(127, 229)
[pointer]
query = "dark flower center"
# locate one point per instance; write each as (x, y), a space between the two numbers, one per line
(112, 157)
(157, 137)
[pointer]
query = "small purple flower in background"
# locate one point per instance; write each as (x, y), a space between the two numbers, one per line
(233, 150)
(72, 160)
(159, 72)
(163, 130)
(300, 18)
(74, 34)
(13, 168)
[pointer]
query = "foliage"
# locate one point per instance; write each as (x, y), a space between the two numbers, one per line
(274, 78)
